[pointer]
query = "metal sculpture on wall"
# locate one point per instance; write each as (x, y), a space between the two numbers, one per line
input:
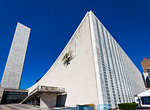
(67, 58)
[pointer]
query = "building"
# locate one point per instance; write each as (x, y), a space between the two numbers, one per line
(9, 89)
(146, 68)
(92, 69)
(14, 66)
(144, 99)
(13, 96)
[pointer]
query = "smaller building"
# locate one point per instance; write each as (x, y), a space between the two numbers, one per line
(146, 64)
(146, 68)
(12, 95)
(46, 96)
(144, 98)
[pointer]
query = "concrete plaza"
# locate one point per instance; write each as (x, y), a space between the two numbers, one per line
(20, 107)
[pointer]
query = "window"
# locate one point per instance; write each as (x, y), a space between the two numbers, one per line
(148, 70)
(145, 100)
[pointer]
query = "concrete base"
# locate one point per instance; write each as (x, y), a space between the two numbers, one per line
(47, 100)
(1, 93)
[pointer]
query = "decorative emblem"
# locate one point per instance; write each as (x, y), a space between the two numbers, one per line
(67, 58)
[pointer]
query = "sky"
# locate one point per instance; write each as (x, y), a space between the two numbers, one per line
(53, 22)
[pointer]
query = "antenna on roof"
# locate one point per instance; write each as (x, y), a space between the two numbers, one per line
(93, 11)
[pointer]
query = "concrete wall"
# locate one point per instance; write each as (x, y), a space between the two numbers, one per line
(47, 100)
(14, 66)
(78, 78)
(1, 93)
(100, 72)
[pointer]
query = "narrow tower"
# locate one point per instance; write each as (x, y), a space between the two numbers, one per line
(14, 66)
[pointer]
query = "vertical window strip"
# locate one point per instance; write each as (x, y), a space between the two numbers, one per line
(112, 60)
(123, 71)
(117, 67)
(103, 64)
(127, 77)
(108, 62)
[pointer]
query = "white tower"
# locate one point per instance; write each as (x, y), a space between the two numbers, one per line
(14, 66)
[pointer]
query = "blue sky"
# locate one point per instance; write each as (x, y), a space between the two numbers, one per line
(53, 22)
